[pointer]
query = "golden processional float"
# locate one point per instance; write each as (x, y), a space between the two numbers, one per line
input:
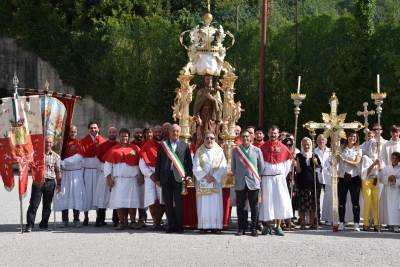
(206, 53)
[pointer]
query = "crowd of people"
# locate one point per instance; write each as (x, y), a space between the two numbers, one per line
(148, 174)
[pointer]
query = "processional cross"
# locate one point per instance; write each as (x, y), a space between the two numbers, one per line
(365, 113)
(334, 126)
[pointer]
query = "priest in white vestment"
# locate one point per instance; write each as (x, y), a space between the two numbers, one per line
(209, 168)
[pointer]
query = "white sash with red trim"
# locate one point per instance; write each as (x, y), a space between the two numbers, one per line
(248, 161)
(173, 157)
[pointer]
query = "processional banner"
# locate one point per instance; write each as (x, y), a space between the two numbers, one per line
(54, 115)
(21, 141)
(69, 103)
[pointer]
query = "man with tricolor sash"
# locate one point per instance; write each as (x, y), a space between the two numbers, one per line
(247, 164)
(173, 165)
(209, 167)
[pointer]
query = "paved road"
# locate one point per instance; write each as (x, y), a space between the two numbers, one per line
(90, 246)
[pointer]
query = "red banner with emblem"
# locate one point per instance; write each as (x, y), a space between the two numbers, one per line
(21, 141)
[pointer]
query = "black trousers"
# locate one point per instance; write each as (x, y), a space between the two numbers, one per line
(64, 215)
(115, 216)
(47, 191)
(354, 186)
(101, 215)
(171, 191)
(252, 196)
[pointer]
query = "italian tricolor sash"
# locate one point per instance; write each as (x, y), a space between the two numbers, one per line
(173, 157)
(247, 160)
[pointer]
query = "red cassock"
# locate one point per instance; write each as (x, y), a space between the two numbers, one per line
(90, 146)
(258, 144)
(275, 153)
(130, 154)
(103, 149)
(140, 144)
(73, 147)
(149, 152)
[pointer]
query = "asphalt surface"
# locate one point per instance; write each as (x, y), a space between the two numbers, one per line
(104, 246)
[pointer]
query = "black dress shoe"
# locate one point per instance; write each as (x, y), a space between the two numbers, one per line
(179, 231)
(97, 224)
(240, 232)
(254, 233)
(85, 222)
(170, 230)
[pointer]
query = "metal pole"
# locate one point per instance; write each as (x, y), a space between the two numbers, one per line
(378, 97)
(237, 32)
(315, 180)
(20, 211)
(262, 62)
(297, 24)
(297, 98)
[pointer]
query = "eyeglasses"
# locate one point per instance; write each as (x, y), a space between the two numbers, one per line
(289, 144)
(210, 138)
(245, 136)
(375, 129)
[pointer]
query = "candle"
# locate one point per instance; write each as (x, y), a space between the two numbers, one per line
(298, 86)
(379, 89)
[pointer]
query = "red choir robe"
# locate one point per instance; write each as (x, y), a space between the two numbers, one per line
(149, 152)
(140, 144)
(258, 144)
(90, 146)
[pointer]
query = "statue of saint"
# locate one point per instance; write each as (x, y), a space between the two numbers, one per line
(207, 110)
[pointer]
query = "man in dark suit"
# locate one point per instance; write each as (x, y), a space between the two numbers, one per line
(247, 164)
(169, 176)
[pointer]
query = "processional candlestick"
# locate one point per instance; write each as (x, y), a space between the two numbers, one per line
(334, 126)
(297, 98)
(378, 97)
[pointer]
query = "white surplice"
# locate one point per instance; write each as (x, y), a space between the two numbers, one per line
(102, 192)
(91, 173)
(210, 208)
(390, 212)
(386, 151)
(126, 192)
(72, 192)
(275, 198)
(151, 190)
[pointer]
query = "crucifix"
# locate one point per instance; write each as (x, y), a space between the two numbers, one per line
(334, 127)
(365, 113)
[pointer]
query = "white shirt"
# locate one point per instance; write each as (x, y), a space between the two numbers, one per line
(323, 157)
(173, 145)
(349, 154)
